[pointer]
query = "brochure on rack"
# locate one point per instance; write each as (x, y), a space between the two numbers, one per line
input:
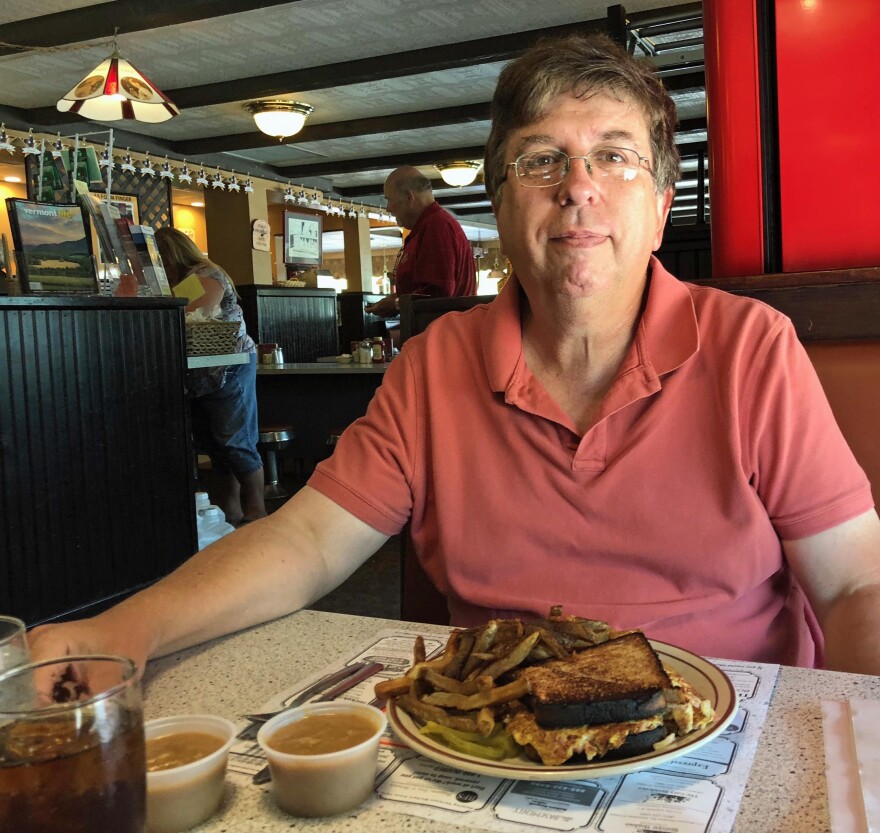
(697, 793)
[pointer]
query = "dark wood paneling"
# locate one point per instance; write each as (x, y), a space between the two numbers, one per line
(302, 321)
(354, 323)
(417, 311)
(824, 306)
(686, 252)
(95, 455)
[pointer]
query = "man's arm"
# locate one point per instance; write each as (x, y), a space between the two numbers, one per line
(262, 571)
(839, 570)
(388, 307)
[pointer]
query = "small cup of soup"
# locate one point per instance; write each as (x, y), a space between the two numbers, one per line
(186, 769)
(323, 756)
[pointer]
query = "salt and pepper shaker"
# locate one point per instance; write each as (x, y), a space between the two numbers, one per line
(279, 356)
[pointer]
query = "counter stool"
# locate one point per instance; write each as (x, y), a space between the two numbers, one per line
(273, 438)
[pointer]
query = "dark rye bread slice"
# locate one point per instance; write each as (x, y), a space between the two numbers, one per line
(612, 682)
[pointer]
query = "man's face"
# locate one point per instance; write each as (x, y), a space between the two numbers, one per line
(400, 204)
(585, 236)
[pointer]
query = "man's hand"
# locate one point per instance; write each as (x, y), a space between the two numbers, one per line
(88, 636)
(386, 308)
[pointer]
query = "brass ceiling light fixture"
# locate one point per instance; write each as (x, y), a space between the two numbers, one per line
(279, 118)
(459, 174)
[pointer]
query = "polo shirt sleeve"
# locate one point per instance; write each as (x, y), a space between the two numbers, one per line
(798, 460)
(435, 266)
(370, 473)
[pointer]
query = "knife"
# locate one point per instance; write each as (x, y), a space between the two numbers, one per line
(264, 776)
(350, 682)
(333, 679)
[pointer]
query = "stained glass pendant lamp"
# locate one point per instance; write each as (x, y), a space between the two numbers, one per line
(115, 90)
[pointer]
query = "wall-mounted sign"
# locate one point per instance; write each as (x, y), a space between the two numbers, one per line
(260, 230)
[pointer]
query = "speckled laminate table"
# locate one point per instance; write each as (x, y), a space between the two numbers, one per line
(230, 676)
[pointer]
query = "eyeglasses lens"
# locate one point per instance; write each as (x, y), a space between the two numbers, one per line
(549, 167)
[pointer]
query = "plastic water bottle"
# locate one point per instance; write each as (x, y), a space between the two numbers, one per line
(210, 522)
(202, 502)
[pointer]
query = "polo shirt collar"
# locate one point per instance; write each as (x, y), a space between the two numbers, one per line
(667, 335)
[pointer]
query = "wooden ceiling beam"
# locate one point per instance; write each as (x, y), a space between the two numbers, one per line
(339, 130)
(375, 189)
(88, 23)
(463, 199)
(469, 211)
(420, 119)
(379, 163)
(378, 68)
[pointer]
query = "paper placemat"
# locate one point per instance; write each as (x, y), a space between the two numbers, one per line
(698, 793)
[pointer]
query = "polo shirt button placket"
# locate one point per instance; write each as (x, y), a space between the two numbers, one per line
(590, 454)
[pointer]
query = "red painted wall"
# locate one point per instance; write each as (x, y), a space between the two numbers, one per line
(730, 38)
(828, 67)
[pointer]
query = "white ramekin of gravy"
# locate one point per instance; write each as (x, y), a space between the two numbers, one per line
(323, 756)
(186, 769)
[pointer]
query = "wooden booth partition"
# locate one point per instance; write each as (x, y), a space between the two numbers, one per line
(302, 321)
(354, 323)
(96, 475)
(837, 316)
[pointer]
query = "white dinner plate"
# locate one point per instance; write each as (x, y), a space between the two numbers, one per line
(708, 680)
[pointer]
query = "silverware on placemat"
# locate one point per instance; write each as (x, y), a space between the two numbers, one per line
(362, 671)
(258, 719)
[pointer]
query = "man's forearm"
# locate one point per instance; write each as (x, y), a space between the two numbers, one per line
(851, 626)
(262, 571)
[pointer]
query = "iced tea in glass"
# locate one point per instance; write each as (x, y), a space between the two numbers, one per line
(72, 747)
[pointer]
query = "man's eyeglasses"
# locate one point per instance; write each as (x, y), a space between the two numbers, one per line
(543, 168)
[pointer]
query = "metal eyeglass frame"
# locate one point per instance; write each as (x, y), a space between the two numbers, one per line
(566, 165)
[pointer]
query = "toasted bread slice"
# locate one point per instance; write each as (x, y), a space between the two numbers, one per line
(617, 681)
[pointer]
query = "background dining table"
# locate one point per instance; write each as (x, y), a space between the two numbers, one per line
(785, 793)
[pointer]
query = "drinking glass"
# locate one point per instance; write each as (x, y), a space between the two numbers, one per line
(13, 645)
(72, 746)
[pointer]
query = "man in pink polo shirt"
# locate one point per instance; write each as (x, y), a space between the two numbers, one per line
(436, 258)
(600, 436)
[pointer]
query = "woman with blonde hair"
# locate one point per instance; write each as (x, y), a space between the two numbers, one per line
(223, 399)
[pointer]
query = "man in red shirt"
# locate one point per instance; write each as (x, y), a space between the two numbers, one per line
(436, 258)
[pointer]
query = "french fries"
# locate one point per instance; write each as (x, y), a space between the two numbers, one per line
(463, 694)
